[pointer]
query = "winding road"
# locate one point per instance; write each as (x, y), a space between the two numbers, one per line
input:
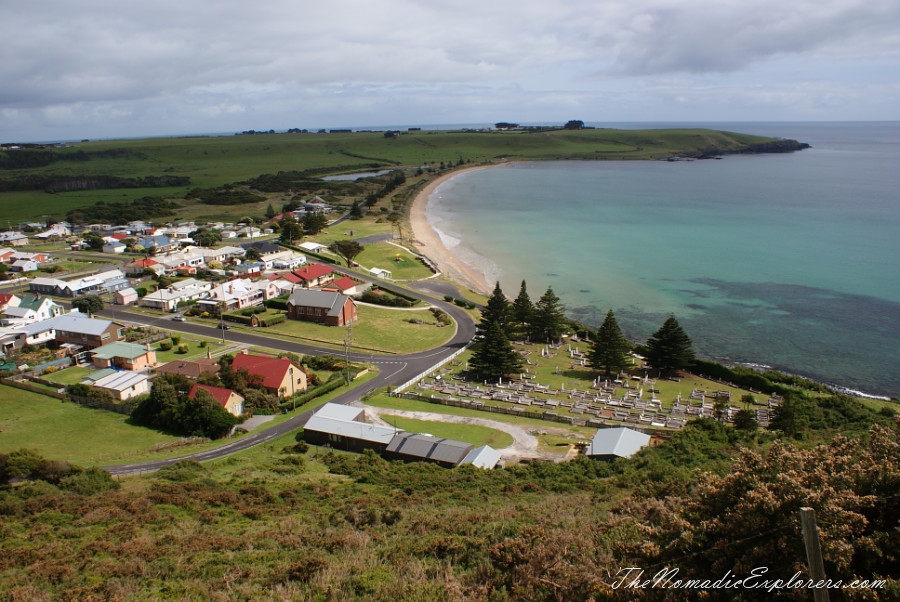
(393, 370)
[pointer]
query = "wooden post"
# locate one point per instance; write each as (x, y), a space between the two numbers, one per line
(813, 552)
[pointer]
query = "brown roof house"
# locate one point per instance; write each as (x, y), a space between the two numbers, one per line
(228, 399)
(191, 369)
(326, 307)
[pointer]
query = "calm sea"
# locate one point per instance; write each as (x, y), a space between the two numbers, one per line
(786, 260)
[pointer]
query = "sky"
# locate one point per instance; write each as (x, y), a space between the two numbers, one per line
(131, 68)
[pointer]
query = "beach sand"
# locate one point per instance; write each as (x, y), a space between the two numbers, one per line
(429, 242)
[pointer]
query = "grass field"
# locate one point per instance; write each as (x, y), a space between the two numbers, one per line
(377, 329)
(214, 161)
(470, 433)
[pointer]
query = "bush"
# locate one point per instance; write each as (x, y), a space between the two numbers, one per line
(182, 349)
(165, 345)
(176, 339)
(90, 481)
(202, 344)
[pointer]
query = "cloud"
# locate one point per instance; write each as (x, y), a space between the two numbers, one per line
(205, 60)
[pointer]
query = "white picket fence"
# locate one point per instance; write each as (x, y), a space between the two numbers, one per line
(401, 388)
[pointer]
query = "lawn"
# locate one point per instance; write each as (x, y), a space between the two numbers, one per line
(195, 350)
(66, 431)
(378, 330)
(402, 264)
(69, 376)
(470, 433)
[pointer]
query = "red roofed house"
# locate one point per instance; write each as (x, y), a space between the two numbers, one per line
(279, 375)
(316, 274)
(228, 399)
(137, 267)
(345, 285)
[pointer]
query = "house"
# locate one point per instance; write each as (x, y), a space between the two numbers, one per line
(24, 265)
(236, 294)
(344, 427)
(125, 356)
(277, 375)
(75, 328)
(347, 286)
(312, 247)
(412, 447)
(31, 308)
(114, 247)
(124, 385)
(228, 399)
(249, 269)
(249, 232)
(16, 239)
(315, 274)
(137, 267)
(8, 300)
(60, 230)
(326, 307)
(159, 242)
(126, 296)
(186, 258)
(168, 298)
(612, 443)
(191, 369)
(381, 273)
(104, 282)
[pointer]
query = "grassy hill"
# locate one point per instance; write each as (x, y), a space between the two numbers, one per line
(211, 162)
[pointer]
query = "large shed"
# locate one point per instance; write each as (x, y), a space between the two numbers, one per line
(411, 447)
(619, 442)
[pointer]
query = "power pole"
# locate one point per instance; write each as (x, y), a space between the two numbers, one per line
(348, 344)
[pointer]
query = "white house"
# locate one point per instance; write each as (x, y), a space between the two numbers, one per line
(168, 298)
(125, 384)
(381, 273)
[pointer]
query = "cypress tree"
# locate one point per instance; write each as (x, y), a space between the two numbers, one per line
(496, 310)
(523, 308)
(494, 356)
(610, 351)
(669, 348)
(549, 317)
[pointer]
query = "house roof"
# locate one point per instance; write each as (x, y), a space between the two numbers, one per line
(71, 322)
(129, 351)
(334, 419)
(220, 394)
(141, 263)
(272, 370)
(427, 447)
(621, 442)
(312, 246)
(263, 246)
(191, 369)
(121, 380)
(344, 283)
(95, 376)
(331, 300)
(313, 271)
(5, 298)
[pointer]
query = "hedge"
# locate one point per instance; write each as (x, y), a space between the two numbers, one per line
(310, 395)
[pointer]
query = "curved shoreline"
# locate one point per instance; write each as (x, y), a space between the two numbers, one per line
(429, 242)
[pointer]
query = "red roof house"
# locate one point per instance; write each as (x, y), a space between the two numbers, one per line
(228, 399)
(279, 375)
(315, 274)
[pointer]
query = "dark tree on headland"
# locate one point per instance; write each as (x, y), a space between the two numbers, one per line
(610, 350)
(494, 356)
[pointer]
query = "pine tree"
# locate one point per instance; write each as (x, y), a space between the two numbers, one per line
(523, 308)
(494, 356)
(549, 318)
(496, 310)
(356, 211)
(610, 351)
(669, 348)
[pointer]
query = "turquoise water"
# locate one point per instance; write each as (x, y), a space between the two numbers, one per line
(784, 260)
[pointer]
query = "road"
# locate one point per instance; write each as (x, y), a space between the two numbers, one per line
(393, 370)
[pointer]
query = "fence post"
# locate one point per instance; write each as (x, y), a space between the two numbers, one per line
(813, 552)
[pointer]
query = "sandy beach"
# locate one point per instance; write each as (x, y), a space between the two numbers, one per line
(429, 242)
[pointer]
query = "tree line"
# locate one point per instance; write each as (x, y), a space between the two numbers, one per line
(667, 350)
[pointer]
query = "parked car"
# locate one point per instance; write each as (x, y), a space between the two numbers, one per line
(179, 318)
(224, 326)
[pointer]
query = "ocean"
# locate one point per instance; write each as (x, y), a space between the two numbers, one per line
(787, 260)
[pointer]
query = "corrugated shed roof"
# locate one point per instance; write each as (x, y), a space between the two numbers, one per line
(71, 322)
(620, 441)
(427, 447)
(339, 411)
(482, 457)
(121, 380)
(351, 429)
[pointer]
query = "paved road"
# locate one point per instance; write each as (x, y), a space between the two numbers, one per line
(393, 370)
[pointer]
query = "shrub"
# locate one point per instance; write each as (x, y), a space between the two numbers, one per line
(176, 339)
(202, 344)
(182, 349)
(165, 345)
